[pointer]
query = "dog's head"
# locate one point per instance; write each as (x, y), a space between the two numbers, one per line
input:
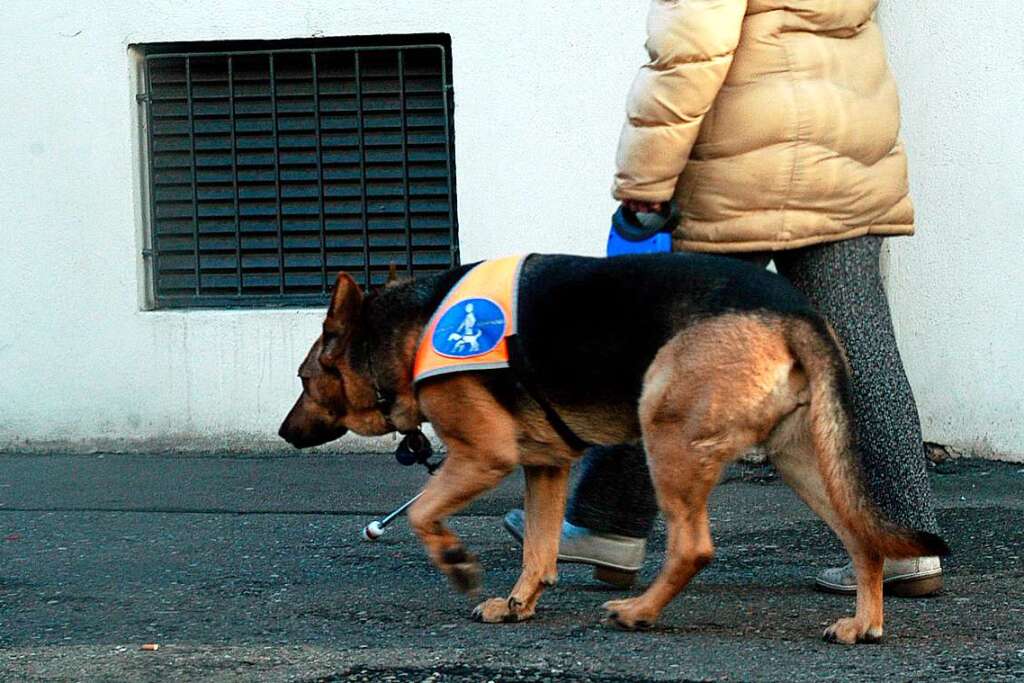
(335, 397)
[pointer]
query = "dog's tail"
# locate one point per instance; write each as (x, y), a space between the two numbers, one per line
(817, 349)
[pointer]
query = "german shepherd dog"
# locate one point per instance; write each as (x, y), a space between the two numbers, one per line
(701, 357)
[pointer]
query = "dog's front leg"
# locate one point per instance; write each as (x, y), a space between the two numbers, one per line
(462, 478)
(545, 506)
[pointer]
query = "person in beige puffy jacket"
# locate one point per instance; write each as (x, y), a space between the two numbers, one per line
(773, 128)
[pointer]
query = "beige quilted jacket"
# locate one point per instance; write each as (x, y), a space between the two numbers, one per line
(773, 124)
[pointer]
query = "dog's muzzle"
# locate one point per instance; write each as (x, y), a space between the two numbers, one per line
(303, 431)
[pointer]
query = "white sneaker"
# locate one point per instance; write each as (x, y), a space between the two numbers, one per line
(913, 578)
(616, 558)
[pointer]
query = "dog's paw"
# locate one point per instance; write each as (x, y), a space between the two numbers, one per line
(629, 614)
(850, 630)
(500, 611)
(462, 569)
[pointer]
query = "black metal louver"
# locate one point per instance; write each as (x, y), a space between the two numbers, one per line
(271, 170)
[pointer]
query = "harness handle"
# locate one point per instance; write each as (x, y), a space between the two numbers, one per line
(639, 227)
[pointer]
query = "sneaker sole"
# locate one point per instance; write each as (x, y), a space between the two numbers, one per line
(916, 587)
(615, 577)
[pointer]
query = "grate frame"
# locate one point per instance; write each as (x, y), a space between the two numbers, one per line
(407, 212)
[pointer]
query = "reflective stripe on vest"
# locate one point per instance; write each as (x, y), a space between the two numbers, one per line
(469, 329)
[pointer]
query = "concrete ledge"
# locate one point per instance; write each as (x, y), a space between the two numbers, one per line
(191, 444)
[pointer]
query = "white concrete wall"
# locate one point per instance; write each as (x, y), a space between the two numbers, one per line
(539, 90)
(957, 287)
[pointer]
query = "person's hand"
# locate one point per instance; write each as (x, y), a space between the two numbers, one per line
(638, 206)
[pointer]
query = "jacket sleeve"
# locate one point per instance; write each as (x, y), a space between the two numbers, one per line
(691, 44)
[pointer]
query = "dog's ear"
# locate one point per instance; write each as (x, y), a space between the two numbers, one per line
(346, 303)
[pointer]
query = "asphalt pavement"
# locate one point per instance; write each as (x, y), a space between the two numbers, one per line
(251, 568)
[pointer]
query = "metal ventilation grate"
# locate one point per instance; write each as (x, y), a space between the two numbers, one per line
(271, 170)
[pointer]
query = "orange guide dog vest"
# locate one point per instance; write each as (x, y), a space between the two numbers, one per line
(470, 328)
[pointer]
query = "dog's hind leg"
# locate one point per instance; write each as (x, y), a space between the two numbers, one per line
(794, 456)
(713, 391)
(815, 450)
(684, 472)
(545, 506)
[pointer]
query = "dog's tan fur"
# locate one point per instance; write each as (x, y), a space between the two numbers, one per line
(717, 388)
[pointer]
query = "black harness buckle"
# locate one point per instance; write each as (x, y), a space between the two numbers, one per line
(415, 449)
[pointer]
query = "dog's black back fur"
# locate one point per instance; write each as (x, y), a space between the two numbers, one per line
(590, 327)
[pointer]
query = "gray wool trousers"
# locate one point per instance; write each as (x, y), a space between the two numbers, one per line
(843, 282)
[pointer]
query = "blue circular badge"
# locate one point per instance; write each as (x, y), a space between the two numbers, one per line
(470, 327)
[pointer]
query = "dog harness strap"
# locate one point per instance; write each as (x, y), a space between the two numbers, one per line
(468, 331)
(524, 374)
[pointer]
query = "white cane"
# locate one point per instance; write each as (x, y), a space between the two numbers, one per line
(375, 529)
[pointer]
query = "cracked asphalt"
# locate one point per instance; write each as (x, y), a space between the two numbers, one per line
(251, 568)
